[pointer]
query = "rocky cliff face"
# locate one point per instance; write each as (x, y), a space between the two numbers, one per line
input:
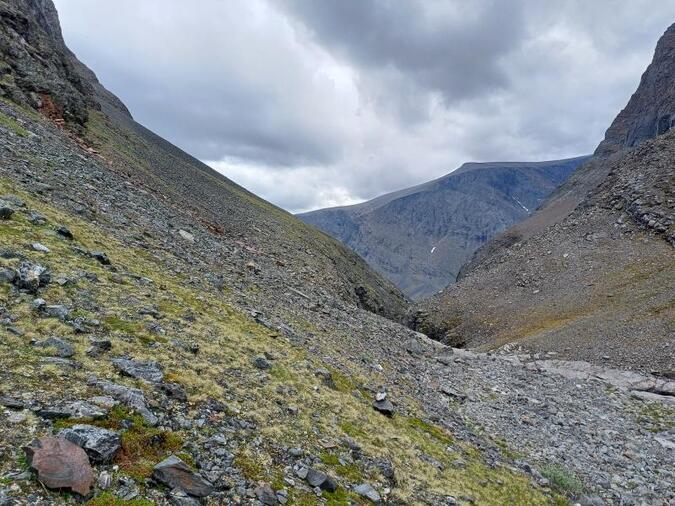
(651, 109)
(420, 237)
(590, 274)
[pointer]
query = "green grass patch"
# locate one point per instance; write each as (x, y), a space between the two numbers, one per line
(562, 479)
(143, 447)
(11, 124)
(435, 432)
(108, 499)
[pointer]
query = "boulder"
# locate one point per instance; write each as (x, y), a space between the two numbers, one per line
(31, 277)
(146, 370)
(61, 348)
(454, 394)
(367, 491)
(174, 473)
(385, 407)
(266, 495)
(6, 210)
(39, 247)
(319, 479)
(174, 390)
(100, 257)
(60, 464)
(64, 232)
(100, 444)
(261, 363)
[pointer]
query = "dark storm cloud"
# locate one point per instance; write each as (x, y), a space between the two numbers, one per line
(455, 48)
(316, 103)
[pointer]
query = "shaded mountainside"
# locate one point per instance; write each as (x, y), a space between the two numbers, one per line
(421, 236)
(41, 73)
(590, 275)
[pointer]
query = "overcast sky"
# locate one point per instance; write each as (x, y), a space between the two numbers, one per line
(319, 103)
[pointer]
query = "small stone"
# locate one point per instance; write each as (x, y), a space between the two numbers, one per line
(64, 232)
(175, 473)
(104, 480)
(385, 407)
(18, 417)
(7, 275)
(380, 396)
(261, 363)
(186, 235)
(175, 391)
(100, 257)
(100, 444)
(321, 480)
(31, 277)
(451, 392)
(60, 464)
(61, 348)
(266, 495)
(11, 403)
(6, 211)
(40, 247)
(367, 491)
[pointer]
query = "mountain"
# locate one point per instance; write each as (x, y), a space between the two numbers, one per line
(167, 338)
(421, 236)
(41, 73)
(590, 275)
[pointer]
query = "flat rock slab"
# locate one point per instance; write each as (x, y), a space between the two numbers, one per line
(133, 398)
(175, 473)
(61, 348)
(146, 370)
(60, 464)
(100, 444)
(367, 491)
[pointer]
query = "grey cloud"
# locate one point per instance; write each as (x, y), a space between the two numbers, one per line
(316, 103)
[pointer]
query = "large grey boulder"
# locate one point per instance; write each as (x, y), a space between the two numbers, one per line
(100, 444)
(146, 370)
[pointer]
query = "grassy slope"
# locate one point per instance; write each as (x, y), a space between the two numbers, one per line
(228, 341)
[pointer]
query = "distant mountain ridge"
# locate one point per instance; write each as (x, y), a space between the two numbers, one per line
(419, 237)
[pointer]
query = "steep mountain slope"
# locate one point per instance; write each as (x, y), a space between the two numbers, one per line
(421, 236)
(590, 275)
(38, 71)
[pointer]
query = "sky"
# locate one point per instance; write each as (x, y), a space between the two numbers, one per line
(312, 104)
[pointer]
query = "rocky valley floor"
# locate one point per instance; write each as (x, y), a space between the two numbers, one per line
(146, 337)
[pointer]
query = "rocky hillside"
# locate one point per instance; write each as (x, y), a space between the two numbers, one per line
(40, 73)
(590, 274)
(156, 352)
(420, 237)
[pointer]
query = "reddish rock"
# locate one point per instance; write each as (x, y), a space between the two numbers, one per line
(60, 464)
